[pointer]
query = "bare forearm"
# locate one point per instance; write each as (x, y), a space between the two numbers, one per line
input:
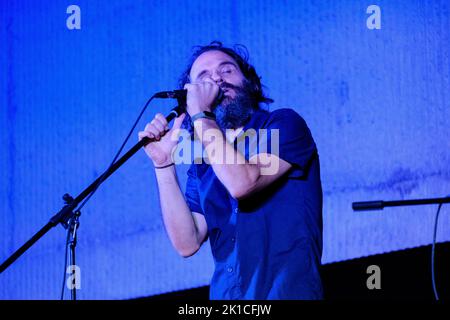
(227, 163)
(177, 216)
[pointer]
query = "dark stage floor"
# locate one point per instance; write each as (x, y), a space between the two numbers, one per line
(405, 274)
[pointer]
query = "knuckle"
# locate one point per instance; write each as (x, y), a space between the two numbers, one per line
(161, 118)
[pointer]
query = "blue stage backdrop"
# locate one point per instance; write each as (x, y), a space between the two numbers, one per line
(375, 95)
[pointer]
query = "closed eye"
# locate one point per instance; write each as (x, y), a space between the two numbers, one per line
(227, 70)
(202, 74)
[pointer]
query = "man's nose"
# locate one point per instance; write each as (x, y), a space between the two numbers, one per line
(216, 77)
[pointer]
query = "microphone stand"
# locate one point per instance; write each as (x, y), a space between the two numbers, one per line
(380, 204)
(70, 219)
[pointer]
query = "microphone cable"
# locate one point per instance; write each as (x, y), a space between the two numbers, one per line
(98, 184)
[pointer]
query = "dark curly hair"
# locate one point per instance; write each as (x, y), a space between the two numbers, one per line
(240, 54)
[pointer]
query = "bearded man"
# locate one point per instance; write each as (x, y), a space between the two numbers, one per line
(265, 229)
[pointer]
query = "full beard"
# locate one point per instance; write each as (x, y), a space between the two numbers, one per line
(233, 113)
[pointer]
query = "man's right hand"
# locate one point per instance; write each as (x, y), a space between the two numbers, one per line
(160, 151)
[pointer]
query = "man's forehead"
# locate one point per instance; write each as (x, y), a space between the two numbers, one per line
(210, 59)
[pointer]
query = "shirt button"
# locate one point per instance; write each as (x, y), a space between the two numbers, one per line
(236, 210)
(233, 239)
(230, 269)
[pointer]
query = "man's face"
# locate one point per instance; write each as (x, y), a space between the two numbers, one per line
(238, 105)
(218, 67)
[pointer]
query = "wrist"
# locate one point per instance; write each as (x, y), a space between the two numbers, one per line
(203, 115)
(166, 176)
(165, 166)
(159, 164)
(205, 127)
(207, 131)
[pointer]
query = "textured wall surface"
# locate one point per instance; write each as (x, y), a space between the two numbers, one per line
(377, 103)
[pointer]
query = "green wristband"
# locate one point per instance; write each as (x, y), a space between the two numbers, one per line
(204, 114)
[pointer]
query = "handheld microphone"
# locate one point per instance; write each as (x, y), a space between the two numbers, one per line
(174, 94)
(182, 93)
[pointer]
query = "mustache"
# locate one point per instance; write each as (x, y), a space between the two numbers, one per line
(227, 85)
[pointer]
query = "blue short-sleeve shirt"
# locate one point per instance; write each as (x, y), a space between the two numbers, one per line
(269, 245)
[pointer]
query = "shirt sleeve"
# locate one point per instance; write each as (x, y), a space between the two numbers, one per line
(293, 142)
(191, 194)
